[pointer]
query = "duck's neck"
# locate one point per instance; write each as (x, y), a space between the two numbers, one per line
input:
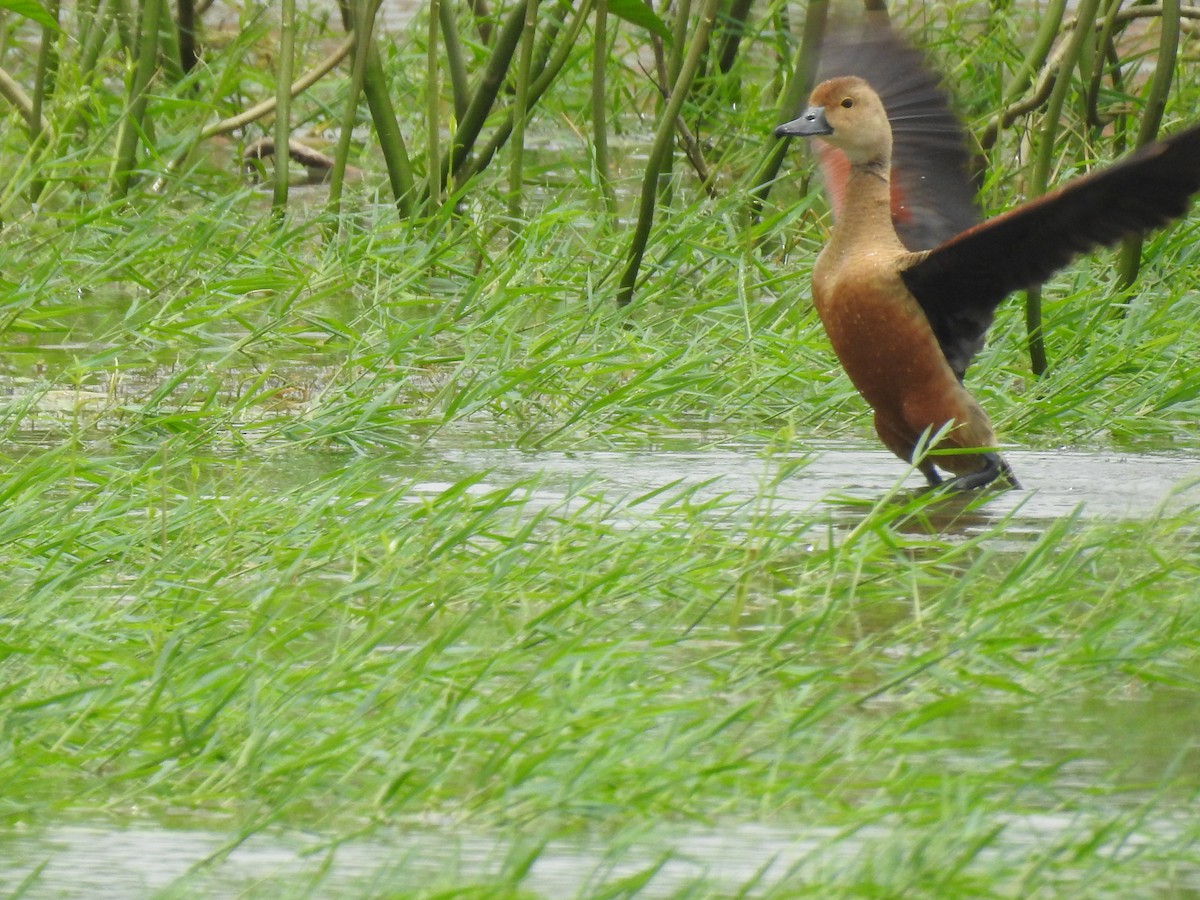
(866, 219)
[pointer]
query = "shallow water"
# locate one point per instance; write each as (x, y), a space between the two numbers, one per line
(838, 476)
(1144, 736)
(139, 861)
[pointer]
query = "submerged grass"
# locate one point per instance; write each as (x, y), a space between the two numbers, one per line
(246, 586)
(324, 642)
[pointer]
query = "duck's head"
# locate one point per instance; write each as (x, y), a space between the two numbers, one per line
(847, 113)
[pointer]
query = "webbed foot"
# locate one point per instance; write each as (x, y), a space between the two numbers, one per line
(995, 467)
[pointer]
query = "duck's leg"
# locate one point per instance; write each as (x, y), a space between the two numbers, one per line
(930, 472)
(897, 437)
(994, 467)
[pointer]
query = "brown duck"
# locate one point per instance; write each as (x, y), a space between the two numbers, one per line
(910, 279)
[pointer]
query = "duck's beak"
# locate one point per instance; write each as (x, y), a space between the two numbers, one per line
(812, 122)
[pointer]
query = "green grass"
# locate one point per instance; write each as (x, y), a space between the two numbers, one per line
(318, 643)
(251, 588)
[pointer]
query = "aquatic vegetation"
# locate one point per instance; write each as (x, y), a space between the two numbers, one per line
(336, 530)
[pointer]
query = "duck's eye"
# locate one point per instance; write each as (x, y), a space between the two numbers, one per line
(847, 103)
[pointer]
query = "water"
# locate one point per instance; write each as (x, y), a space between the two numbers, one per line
(1145, 736)
(1107, 484)
(91, 861)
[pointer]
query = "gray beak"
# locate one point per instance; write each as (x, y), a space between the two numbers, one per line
(811, 122)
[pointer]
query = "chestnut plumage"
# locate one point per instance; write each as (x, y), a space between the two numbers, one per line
(910, 279)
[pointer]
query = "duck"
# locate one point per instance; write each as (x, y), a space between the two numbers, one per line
(909, 280)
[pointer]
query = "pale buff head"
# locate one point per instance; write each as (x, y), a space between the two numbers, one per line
(847, 113)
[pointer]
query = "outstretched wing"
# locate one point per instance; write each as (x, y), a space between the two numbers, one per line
(961, 282)
(933, 196)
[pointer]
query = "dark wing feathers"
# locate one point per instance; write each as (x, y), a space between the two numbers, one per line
(933, 194)
(966, 277)
(973, 265)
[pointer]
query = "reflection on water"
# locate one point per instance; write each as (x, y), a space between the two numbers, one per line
(842, 476)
